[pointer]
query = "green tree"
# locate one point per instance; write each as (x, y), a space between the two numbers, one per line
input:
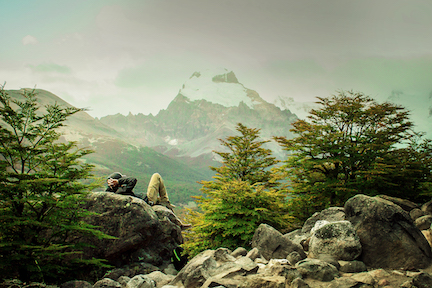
(40, 192)
(242, 195)
(348, 146)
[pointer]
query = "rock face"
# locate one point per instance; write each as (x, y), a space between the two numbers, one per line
(140, 233)
(273, 245)
(338, 239)
(388, 235)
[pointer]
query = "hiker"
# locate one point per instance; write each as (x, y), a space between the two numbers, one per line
(121, 184)
(156, 191)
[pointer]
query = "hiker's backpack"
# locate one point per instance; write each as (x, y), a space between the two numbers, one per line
(179, 259)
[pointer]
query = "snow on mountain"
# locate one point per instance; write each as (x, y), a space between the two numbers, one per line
(218, 87)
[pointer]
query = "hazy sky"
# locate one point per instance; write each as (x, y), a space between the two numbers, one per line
(121, 56)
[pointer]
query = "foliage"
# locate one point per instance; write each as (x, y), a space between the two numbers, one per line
(352, 145)
(242, 195)
(40, 192)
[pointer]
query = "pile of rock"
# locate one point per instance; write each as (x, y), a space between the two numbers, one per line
(370, 242)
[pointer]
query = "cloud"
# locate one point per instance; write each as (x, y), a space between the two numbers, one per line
(29, 40)
(50, 68)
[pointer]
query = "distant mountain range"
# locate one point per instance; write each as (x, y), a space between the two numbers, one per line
(177, 142)
(207, 108)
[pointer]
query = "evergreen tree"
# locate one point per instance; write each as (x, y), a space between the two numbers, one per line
(349, 146)
(40, 192)
(243, 194)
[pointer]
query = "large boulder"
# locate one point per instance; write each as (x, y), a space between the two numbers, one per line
(211, 268)
(331, 214)
(273, 245)
(139, 232)
(337, 239)
(387, 233)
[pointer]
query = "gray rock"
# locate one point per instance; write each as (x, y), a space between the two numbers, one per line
(107, 283)
(329, 259)
(259, 281)
(298, 283)
(317, 269)
(294, 257)
(352, 266)
(160, 278)
(253, 254)
(416, 213)
(387, 234)
(197, 271)
(297, 236)
(344, 282)
(338, 239)
(272, 244)
(223, 255)
(427, 208)
(141, 281)
(424, 222)
(240, 251)
(403, 203)
(135, 225)
(76, 284)
(331, 214)
(423, 280)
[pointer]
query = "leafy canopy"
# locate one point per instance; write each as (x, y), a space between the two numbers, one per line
(40, 191)
(348, 146)
(242, 195)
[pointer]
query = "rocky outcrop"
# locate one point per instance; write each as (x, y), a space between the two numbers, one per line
(141, 234)
(273, 245)
(337, 255)
(387, 234)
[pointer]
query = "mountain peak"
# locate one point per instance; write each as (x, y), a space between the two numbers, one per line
(218, 86)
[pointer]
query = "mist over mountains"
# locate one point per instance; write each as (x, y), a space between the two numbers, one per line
(206, 108)
(179, 141)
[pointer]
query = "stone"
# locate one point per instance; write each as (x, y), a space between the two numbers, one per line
(223, 255)
(406, 205)
(387, 234)
(364, 277)
(272, 244)
(259, 281)
(428, 235)
(352, 266)
(416, 213)
(294, 257)
(298, 283)
(427, 207)
(253, 254)
(76, 284)
(196, 272)
(338, 239)
(141, 281)
(344, 282)
(240, 251)
(424, 222)
(160, 278)
(136, 227)
(297, 236)
(317, 269)
(423, 280)
(329, 259)
(330, 214)
(107, 283)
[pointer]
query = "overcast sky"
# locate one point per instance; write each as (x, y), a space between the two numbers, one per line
(121, 56)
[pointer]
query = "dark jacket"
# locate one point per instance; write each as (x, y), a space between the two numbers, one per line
(126, 185)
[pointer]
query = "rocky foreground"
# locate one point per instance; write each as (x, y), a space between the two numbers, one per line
(370, 242)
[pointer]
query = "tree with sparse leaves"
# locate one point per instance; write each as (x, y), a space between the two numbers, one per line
(41, 192)
(243, 194)
(352, 145)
